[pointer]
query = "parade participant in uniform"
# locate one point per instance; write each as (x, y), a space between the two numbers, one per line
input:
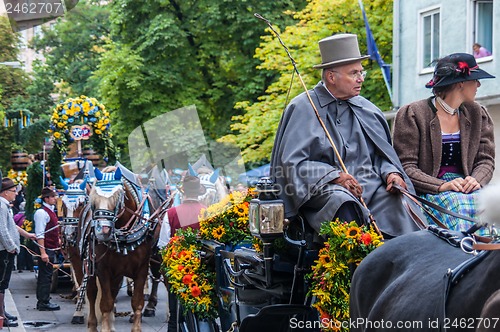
(9, 244)
(304, 166)
(47, 234)
(183, 216)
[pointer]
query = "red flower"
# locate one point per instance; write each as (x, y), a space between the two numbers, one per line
(366, 238)
(180, 267)
(463, 67)
(195, 291)
(186, 280)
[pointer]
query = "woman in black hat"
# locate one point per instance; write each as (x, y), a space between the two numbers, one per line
(446, 142)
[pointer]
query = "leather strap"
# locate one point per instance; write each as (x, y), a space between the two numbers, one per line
(486, 246)
(433, 205)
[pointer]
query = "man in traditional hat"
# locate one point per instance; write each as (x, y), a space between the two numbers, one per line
(182, 216)
(9, 244)
(309, 175)
(47, 234)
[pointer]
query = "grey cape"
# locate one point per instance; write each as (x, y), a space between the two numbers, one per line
(303, 163)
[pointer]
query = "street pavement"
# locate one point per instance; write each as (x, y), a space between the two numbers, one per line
(21, 301)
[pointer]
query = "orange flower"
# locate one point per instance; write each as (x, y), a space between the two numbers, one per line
(366, 238)
(186, 280)
(195, 291)
(180, 267)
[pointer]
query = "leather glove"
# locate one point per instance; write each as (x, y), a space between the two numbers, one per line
(397, 179)
(350, 183)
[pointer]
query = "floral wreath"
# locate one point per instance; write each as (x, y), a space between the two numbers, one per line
(78, 111)
(189, 279)
(346, 246)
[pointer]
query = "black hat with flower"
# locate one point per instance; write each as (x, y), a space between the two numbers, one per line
(455, 68)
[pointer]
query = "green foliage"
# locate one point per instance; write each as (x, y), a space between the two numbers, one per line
(33, 188)
(54, 163)
(13, 82)
(166, 55)
(73, 47)
(254, 131)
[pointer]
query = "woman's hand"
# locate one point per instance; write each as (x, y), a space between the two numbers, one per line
(453, 185)
(470, 185)
(467, 185)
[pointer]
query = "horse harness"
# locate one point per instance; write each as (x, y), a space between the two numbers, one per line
(469, 245)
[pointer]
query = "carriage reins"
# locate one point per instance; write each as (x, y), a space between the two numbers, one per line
(422, 203)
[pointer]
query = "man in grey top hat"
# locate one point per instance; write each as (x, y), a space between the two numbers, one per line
(304, 166)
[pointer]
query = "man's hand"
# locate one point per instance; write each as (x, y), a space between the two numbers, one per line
(44, 257)
(350, 183)
(395, 178)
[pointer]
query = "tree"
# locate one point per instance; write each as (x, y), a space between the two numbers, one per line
(13, 82)
(254, 131)
(168, 54)
(72, 48)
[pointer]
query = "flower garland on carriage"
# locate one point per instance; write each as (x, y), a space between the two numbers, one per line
(346, 246)
(227, 221)
(192, 280)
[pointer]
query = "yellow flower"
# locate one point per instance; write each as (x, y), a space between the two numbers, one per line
(352, 232)
(219, 232)
(57, 135)
(346, 246)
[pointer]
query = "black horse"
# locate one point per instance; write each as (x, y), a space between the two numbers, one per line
(419, 282)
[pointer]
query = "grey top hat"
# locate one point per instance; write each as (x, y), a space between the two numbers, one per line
(339, 49)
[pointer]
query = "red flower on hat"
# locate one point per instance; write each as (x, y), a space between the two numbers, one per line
(463, 68)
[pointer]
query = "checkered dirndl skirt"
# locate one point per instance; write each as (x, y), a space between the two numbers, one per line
(457, 202)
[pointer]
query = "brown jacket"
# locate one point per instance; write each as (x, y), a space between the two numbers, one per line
(417, 140)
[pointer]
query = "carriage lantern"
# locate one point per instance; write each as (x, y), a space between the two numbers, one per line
(267, 212)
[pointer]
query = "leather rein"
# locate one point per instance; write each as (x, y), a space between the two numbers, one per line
(486, 242)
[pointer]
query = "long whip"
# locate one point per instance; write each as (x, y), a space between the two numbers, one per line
(336, 151)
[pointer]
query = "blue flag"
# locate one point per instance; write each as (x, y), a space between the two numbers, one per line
(373, 51)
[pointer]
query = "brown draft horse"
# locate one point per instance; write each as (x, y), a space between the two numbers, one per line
(76, 212)
(119, 245)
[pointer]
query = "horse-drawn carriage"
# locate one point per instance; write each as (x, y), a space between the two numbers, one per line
(259, 290)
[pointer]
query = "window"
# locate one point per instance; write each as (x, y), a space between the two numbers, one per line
(430, 36)
(483, 23)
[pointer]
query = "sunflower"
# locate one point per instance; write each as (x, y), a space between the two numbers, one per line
(219, 232)
(353, 232)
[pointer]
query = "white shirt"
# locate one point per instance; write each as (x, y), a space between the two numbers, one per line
(165, 233)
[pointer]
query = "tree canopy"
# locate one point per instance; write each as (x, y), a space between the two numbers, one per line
(166, 55)
(142, 59)
(254, 131)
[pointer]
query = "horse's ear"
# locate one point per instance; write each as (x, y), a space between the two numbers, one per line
(215, 175)
(191, 170)
(118, 173)
(83, 185)
(98, 174)
(63, 183)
